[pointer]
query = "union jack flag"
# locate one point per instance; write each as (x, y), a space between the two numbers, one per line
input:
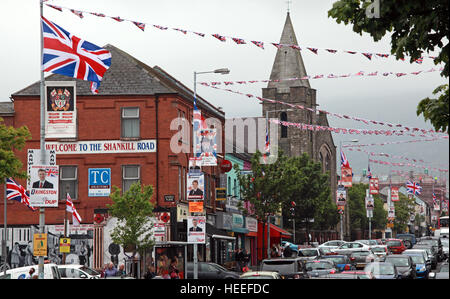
(68, 55)
(219, 37)
(295, 47)
(238, 41)
(98, 14)
(118, 19)
(413, 188)
(51, 172)
(368, 55)
(419, 60)
(344, 161)
(76, 219)
(200, 34)
(279, 46)
(350, 52)
(383, 55)
(16, 192)
(55, 7)
(77, 13)
(331, 50)
(314, 50)
(259, 44)
(160, 27)
(181, 30)
(139, 25)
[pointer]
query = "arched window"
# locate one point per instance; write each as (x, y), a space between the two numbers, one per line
(284, 129)
(328, 162)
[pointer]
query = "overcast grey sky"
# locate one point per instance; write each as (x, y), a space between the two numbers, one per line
(388, 99)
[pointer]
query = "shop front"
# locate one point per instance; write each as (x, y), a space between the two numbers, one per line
(251, 224)
(277, 234)
(222, 241)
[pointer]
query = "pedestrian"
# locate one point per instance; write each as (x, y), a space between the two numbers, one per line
(15, 256)
(110, 271)
(29, 254)
(121, 272)
(150, 274)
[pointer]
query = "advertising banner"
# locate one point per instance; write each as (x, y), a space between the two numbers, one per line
(102, 147)
(251, 224)
(60, 109)
(346, 177)
(64, 245)
(196, 229)
(44, 186)
(196, 185)
(394, 194)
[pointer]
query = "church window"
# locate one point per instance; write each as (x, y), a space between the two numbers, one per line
(284, 131)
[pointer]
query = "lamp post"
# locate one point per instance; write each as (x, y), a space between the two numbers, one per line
(222, 71)
(342, 214)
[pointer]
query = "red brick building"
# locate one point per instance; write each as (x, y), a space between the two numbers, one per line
(135, 103)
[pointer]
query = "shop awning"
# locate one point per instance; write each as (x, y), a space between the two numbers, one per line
(276, 231)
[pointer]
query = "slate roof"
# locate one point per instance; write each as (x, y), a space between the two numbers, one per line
(127, 76)
(6, 108)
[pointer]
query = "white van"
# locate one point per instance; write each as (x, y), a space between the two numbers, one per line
(50, 272)
(77, 272)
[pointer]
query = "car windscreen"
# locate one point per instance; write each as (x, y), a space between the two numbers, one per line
(316, 265)
(89, 271)
(381, 269)
(418, 259)
(307, 252)
(282, 267)
(393, 243)
(337, 259)
(398, 261)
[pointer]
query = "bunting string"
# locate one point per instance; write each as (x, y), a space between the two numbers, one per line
(236, 40)
(409, 129)
(330, 76)
(394, 142)
(388, 155)
(406, 165)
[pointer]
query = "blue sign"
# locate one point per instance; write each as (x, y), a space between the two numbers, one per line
(99, 182)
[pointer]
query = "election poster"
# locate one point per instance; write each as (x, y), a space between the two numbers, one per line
(34, 158)
(44, 186)
(341, 196)
(60, 115)
(394, 194)
(195, 164)
(346, 176)
(196, 185)
(196, 226)
(208, 147)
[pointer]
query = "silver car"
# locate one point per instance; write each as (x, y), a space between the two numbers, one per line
(349, 247)
(332, 244)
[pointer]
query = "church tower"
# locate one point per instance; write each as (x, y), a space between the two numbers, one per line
(289, 64)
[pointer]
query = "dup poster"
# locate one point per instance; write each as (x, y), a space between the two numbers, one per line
(195, 186)
(60, 114)
(196, 229)
(346, 177)
(208, 147)
(341, 196)
(44, 186)
(195, 165)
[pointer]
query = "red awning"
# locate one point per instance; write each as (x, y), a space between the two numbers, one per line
(276, 231)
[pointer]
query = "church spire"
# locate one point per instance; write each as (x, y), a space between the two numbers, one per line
(288, 62)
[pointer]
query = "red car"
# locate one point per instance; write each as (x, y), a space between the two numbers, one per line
(396, 246)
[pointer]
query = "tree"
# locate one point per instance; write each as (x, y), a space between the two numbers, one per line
(417, 26)
(12, 139)
(134, 210)
(308, 187)
(436, 110)
(403, 209)
(263, 191)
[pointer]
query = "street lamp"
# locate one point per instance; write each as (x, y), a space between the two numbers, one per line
(342, 215)
(222, 71)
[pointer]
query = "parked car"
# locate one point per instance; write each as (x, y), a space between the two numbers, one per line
(332, 244)
(349, 247)
(318, 268)
(396, 246)
(261, 275)
(360, 259)
(77, 272)
(50, 272)
(423, 253)
(432, 255)
(309, 253)
(443, 272)
(287, 267)
(341, 262)
(382, 270)
(210, 271)
(437, 245)
(422, 271)
(381, 251)
(409, 240)
(405, 265)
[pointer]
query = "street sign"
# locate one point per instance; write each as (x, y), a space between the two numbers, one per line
(64, 245)
(99, 184)
(40, 245)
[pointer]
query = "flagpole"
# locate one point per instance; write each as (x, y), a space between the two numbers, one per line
(42, 135)
(65, 231)
(4, 253)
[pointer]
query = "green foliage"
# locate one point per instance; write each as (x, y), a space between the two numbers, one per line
(403, 209)
(417, 26)
(436, 110)
(133, 209)
(12, 139)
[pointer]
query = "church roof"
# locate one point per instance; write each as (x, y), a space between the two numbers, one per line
(288, 62)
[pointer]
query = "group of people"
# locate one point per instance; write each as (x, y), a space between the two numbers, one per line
(110, 270)
(242, 259)
(279, 251)
(168, 269)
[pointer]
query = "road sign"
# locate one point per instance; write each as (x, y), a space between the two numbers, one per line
(64, 245)
(99, 182)
(40, 245)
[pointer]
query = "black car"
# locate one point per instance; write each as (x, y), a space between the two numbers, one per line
(210, 271)
(432, 253)
(288, 268)
(405, 265)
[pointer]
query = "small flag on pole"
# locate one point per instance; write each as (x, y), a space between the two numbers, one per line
(76, 219)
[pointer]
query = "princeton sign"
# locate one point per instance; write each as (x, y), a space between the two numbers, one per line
(102, 147)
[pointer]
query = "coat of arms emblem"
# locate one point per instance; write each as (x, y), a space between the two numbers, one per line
(60, 100)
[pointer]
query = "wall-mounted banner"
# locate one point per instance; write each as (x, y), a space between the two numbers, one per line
(208, 143)
(60, 109)
(196, 186)
(341, 196)
(196, 229)
(44, 186)
(34, 158)
(373, 186)
(99, 183)
(346, 177)
(394, 194)
(102, 147)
